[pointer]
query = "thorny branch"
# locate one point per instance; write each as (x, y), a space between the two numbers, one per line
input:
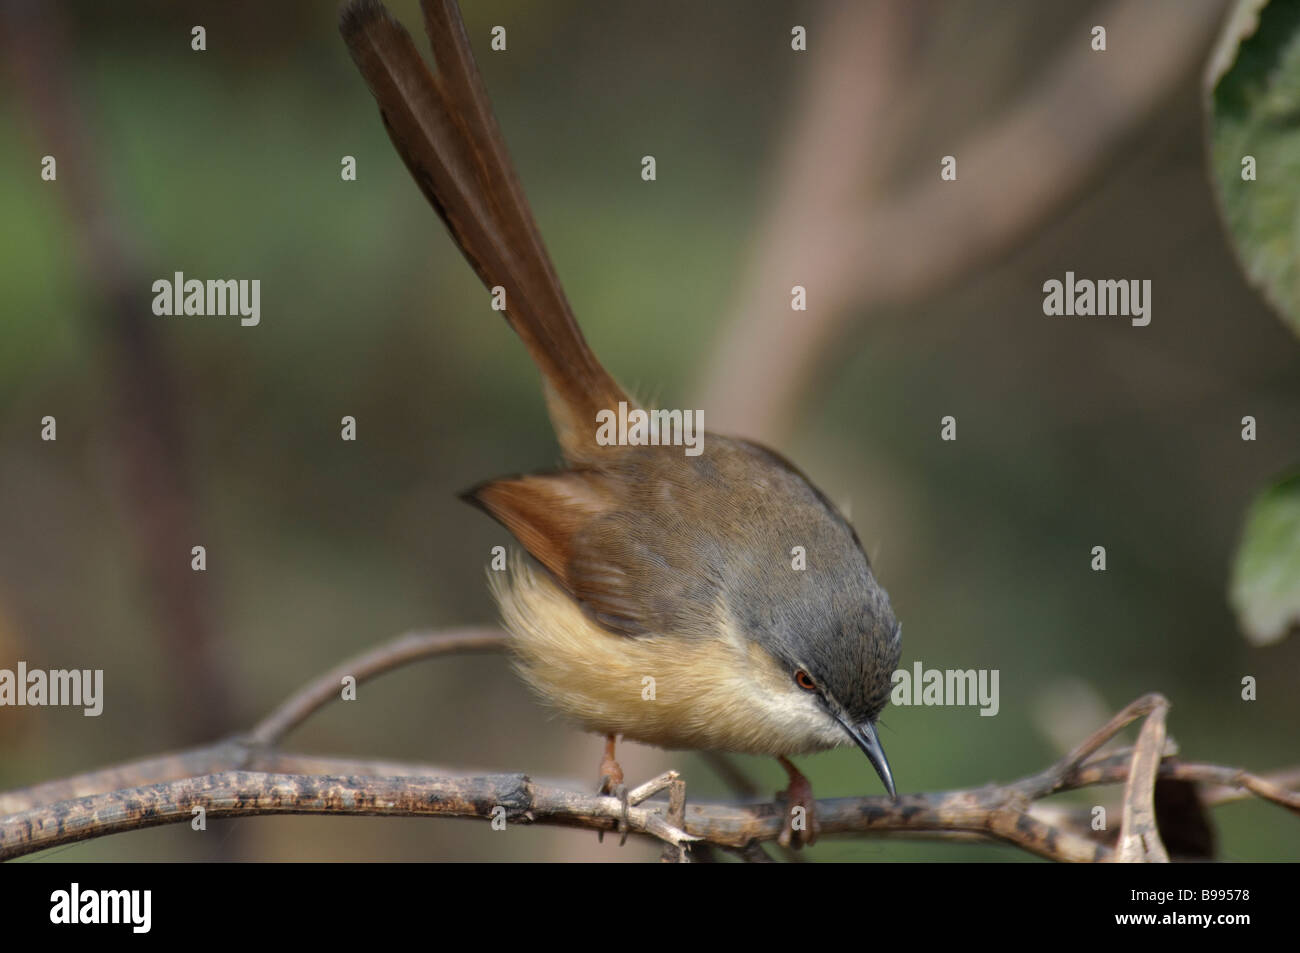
(253, 752)
(243, 776)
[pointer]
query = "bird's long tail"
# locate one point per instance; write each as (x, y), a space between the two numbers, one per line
(444, 129)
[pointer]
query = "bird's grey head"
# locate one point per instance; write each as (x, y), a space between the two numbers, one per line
(827, 624)
(842, 648)
(837, 640)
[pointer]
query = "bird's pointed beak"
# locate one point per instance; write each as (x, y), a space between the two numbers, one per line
(866, 738)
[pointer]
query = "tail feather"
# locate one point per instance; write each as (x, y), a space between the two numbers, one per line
(443, 128)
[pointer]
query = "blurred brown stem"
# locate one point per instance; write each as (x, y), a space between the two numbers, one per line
(856, 255)
(405, 648)
(157, 502)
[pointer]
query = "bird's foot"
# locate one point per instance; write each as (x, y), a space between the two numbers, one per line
(611, 783)
(669, 828)
(801, 824)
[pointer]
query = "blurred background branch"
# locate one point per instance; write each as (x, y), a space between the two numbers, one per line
(860, 240)
(151, 470)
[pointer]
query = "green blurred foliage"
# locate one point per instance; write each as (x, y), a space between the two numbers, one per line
(1254, 105)
(1266, 575)
(1254, 102)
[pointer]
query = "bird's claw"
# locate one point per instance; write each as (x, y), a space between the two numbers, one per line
(618, 789)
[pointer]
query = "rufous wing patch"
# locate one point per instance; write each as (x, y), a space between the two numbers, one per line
(545, 512)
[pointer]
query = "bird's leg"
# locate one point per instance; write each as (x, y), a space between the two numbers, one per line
(670, 829)
(611, 783)
(801, 824)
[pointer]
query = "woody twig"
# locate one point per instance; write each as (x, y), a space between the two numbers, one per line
(246, 775)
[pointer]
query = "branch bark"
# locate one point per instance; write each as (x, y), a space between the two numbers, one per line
(253, 751)
(992, 812)
(170, 789)
(1139, 837)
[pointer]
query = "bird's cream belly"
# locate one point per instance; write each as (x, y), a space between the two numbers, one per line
(718, 694)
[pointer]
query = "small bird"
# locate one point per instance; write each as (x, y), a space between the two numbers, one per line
(664, 604)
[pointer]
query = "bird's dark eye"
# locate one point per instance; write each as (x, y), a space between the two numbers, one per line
(804, 681)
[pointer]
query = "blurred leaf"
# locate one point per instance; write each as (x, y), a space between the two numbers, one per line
(1253, 82)
(1265, 590)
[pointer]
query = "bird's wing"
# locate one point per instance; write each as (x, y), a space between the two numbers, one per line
(598, 551)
